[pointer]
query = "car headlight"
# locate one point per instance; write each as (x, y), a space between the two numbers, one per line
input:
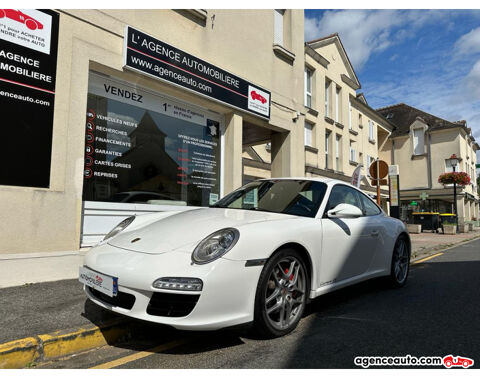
(120, 227)
(215, 245)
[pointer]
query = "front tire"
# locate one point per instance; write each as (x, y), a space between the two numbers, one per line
(400, 265)
(281, 294)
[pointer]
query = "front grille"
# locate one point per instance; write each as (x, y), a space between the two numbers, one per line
(172, 305)
(123, 300)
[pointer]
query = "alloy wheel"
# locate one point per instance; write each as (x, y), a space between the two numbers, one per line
(400, 264)
(285, 293)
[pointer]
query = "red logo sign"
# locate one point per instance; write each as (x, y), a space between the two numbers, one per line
(256, 96)
(16, 15)
(450, 361)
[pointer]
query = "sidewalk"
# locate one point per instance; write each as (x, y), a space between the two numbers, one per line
(26, 268)
(427, 242)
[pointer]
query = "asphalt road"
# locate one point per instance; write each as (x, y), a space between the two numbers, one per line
(436, 314)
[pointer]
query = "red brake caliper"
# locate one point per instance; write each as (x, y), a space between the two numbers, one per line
(291, 276)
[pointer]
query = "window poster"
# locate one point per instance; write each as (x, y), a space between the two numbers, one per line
(142, 147)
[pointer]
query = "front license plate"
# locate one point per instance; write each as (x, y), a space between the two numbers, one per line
(103, 283)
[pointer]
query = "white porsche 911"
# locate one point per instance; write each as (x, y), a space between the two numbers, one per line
(258, 255)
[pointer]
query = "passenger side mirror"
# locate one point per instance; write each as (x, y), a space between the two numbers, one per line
(344, 210)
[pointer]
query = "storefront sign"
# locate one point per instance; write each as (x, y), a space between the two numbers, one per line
(394, 191)
(160, 60)
(28, 61)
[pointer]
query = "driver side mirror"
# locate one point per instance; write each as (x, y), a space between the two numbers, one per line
(344, 210)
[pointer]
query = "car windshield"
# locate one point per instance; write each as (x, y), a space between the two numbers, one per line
(294, 197)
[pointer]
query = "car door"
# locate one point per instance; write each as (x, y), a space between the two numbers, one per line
(376, 221)
(349, 244)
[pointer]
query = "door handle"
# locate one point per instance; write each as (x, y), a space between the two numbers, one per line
(374, 233)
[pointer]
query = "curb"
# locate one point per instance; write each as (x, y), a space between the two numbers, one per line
(31, 350)
(420, 254)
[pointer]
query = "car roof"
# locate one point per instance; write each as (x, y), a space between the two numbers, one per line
(325, 180)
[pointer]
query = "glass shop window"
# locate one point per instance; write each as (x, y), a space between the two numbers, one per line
(142, 147)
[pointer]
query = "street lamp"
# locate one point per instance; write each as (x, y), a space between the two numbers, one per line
(453, 160)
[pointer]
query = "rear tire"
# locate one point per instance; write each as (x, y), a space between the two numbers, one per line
(400, 265)
(281, 294)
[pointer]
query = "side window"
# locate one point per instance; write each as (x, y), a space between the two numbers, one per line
(343, 194)
(369, 208)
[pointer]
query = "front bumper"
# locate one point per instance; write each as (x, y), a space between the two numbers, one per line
(227, 297)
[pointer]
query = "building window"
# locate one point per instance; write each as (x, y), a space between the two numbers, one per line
(278, 27)
(327, 147)
(350, 126)
(308, 134)
(337, 104)
(327, 97)
(360, 125)
(337, 152)
(371, 134)
(308, 88)
(418, 142)
(353, 154)
(448, 166)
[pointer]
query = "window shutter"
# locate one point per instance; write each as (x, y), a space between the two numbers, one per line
(418, 141)
(327, 98)
(278, 28)
(349, 114)
(337, 105)
(308, 134)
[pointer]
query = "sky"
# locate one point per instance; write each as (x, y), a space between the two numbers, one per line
(429, 59)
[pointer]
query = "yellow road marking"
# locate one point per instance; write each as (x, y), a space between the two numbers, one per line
(427, 258)
(137, 356)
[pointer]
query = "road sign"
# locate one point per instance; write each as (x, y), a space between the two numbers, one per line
(382, 182)
(393, 170)
(413, 203)
(382, 169)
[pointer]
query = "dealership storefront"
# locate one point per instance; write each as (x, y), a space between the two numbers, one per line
(146, 151)
(133, 125)
(145, 148)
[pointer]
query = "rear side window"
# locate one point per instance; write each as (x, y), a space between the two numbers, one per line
(368, 206)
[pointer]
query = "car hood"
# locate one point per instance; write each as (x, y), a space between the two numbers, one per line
(187, 229)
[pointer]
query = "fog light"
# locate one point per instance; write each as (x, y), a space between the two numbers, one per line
(179, 283)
